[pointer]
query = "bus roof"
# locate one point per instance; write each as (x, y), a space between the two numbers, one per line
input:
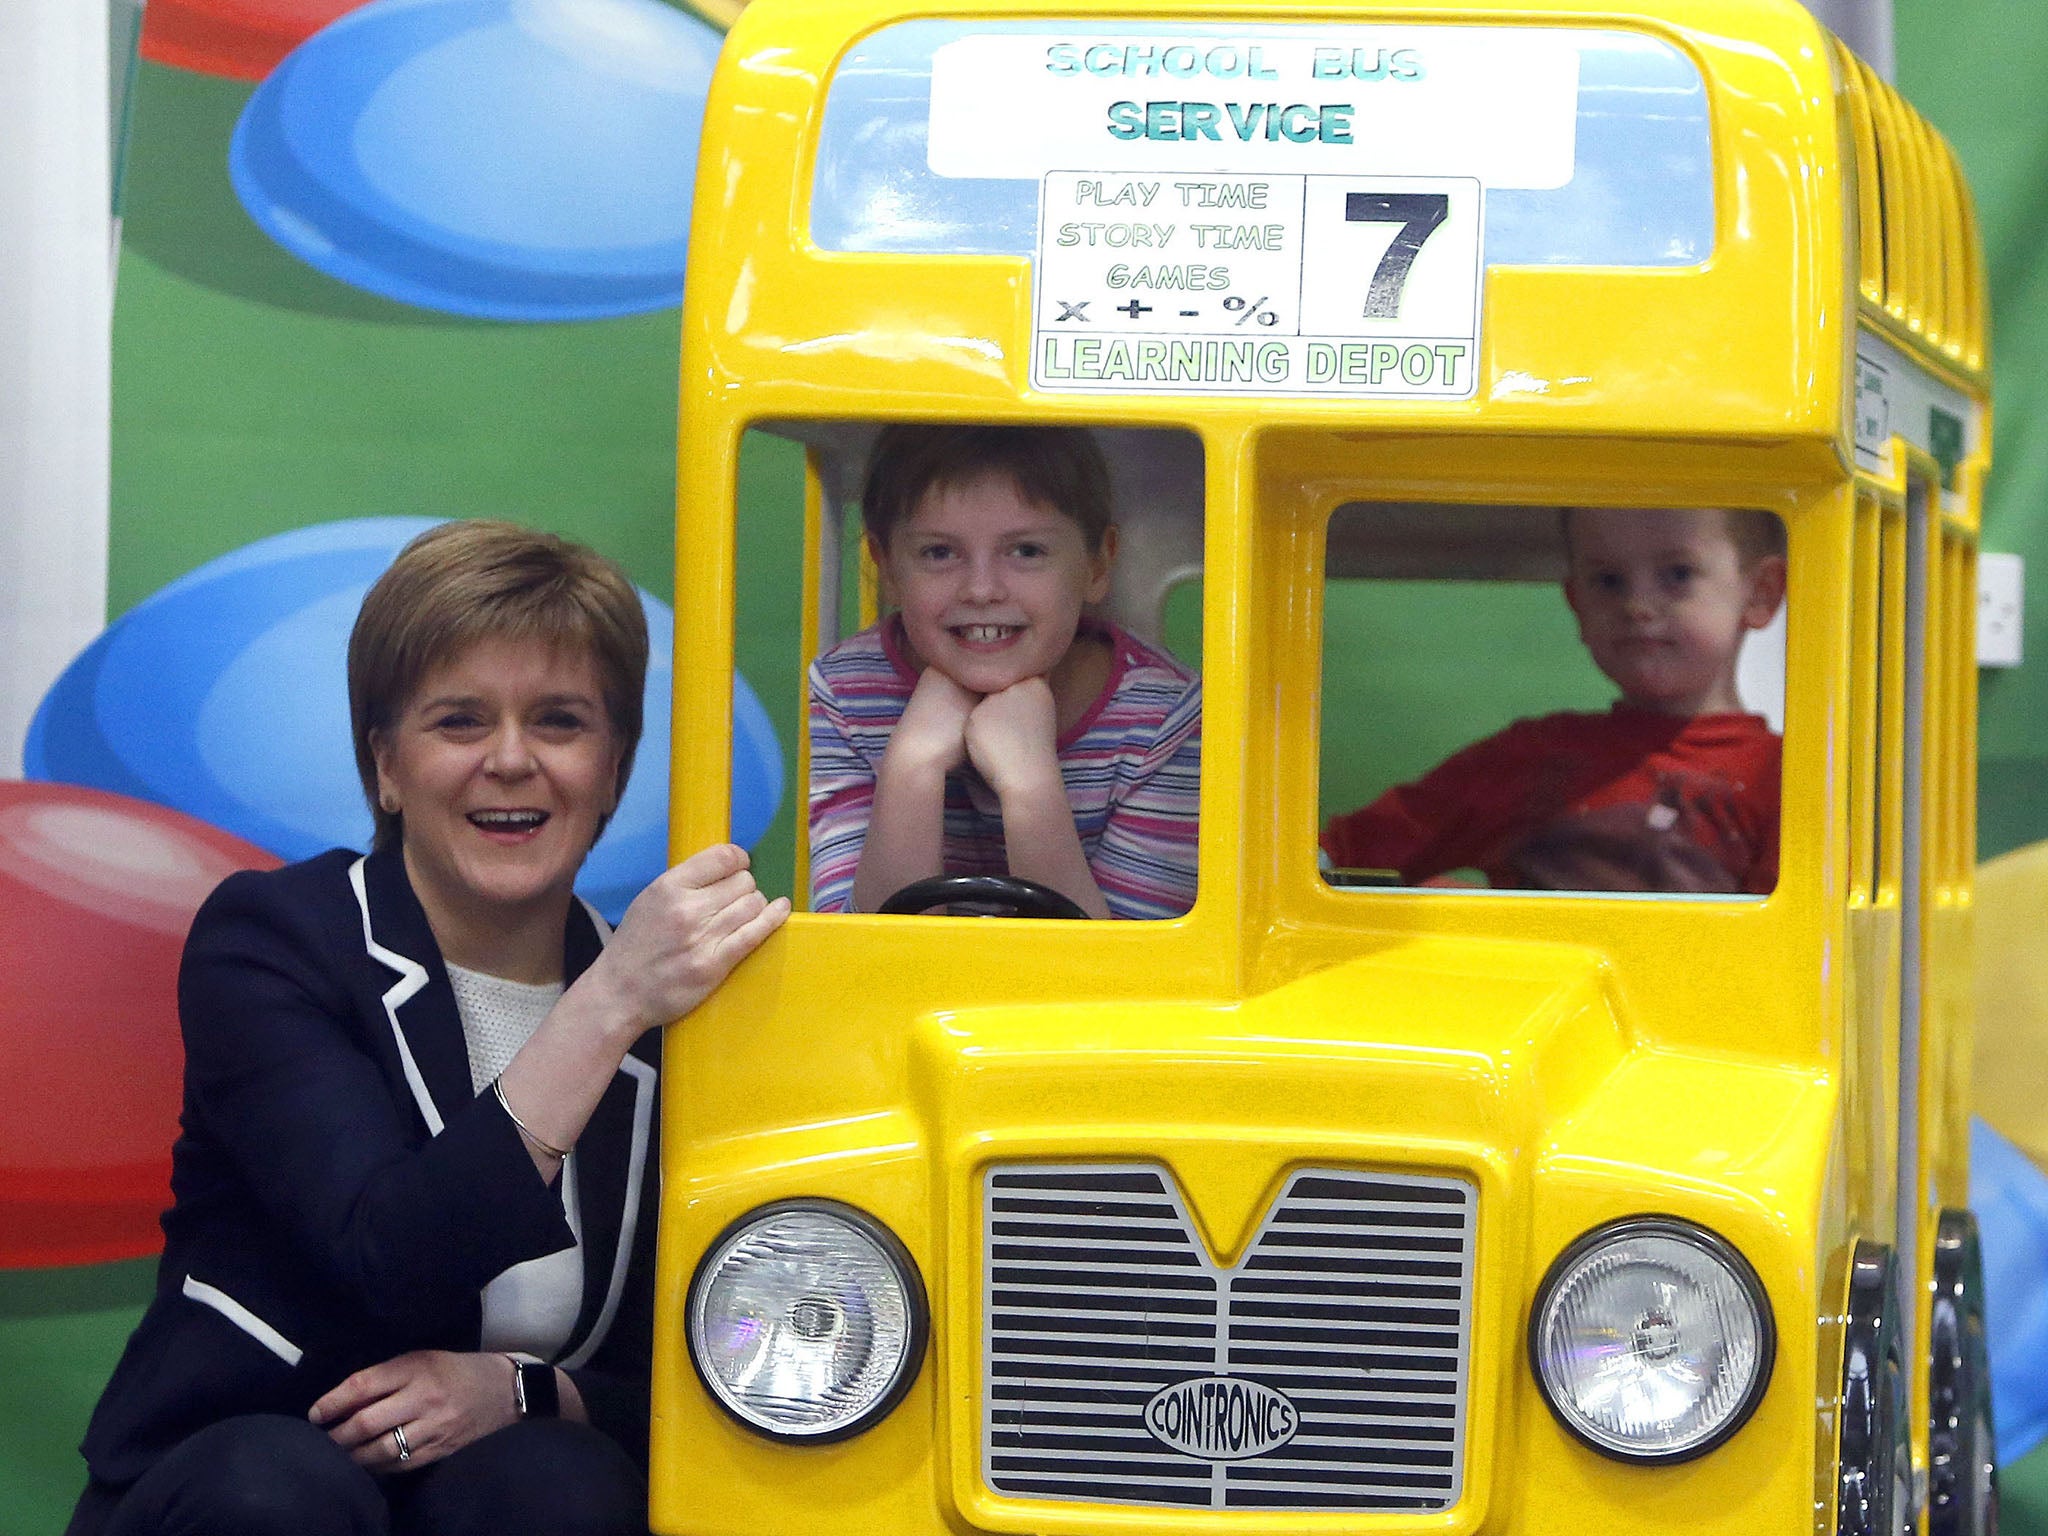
(1634, 225)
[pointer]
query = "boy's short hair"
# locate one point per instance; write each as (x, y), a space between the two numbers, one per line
(1056, 467)
(468, 581)
(1754, 534)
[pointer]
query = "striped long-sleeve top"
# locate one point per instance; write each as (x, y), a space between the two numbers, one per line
(1131, 764)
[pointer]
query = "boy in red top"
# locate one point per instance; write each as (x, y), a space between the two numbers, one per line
(1673, 789)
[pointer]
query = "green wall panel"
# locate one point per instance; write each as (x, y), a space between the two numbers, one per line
(1974, 67)
(61, 1330)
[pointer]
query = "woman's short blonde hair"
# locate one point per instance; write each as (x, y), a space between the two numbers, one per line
(461, 583)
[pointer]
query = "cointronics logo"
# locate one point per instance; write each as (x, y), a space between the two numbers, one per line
(1221, 1418)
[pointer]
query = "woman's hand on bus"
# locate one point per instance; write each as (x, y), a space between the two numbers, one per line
(1011, 739)
(683, 935)
(679, 939)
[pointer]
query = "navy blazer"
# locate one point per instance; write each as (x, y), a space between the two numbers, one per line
(340, 1194)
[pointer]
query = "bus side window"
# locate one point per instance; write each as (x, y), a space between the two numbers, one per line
(1487, 722)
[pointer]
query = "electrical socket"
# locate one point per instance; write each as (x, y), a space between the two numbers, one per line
(2001, 587)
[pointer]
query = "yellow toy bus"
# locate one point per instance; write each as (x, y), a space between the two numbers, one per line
(1337, 1203)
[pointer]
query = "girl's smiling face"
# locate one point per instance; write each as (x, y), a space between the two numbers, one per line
(503, 764)
(991, 586)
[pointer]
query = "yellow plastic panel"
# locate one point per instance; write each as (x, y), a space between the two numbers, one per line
(1869, 199)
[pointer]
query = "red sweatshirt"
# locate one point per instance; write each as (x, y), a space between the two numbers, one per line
(1631, 800)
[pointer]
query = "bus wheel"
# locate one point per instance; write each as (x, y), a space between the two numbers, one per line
(1962, 1482)
(1874, 1494)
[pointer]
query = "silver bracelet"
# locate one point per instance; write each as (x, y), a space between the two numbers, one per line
(498, 1087)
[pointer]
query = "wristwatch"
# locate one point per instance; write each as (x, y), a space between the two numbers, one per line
(534, 1389)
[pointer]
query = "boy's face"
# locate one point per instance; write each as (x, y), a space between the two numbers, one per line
(990, 585)
(1663, 602)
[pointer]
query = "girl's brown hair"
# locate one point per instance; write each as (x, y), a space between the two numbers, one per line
(1056, 467)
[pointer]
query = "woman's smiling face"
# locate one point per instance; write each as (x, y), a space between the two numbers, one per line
(991, 586)
(503, 764)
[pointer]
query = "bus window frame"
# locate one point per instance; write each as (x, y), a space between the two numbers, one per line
(831, 509)
(1323, 581)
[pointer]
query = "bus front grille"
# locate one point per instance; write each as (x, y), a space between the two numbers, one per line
(1326, 1371)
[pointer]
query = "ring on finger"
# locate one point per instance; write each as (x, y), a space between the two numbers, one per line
(398, 1439)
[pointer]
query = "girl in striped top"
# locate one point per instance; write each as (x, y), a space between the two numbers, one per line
(989, 726)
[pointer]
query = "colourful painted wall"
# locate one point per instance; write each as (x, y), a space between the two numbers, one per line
(254, 395)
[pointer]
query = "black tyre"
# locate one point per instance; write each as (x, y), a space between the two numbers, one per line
(1874, 1494)
(1962, 1471)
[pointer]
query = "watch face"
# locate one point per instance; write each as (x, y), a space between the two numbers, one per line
(539, 1397)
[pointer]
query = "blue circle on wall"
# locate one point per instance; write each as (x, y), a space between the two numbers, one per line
(507, 159)
(224, 695)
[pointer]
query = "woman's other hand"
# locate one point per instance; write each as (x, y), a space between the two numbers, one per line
(683, 935)
(441, 1402)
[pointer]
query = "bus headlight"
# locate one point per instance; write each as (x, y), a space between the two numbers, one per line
(1651, 1339)
(807, 1320)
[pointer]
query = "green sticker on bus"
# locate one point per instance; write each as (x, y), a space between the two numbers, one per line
(1945, 442)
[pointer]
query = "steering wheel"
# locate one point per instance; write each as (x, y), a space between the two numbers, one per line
(1013, 896)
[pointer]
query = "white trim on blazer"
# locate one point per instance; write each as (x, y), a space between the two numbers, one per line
(411, 977)
(644, 1080)
(213, 1296)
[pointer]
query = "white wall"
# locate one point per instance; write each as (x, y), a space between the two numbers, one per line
(56, 300)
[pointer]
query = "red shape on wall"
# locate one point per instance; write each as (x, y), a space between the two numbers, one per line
(96, 893)
(242, 39)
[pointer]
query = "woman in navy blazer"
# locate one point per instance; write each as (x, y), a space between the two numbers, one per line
(394, 1295)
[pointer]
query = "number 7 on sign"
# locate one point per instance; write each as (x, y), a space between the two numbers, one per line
(1419, 214)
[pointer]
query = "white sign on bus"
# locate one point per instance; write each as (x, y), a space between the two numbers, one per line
(1257, 284)
(1497, 104)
